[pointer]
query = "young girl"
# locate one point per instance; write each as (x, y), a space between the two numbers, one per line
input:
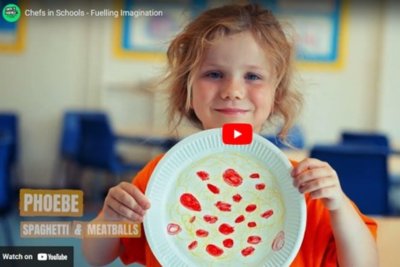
(233, 64)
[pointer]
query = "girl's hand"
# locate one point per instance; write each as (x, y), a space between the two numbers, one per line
(320, 180)
(125, 202)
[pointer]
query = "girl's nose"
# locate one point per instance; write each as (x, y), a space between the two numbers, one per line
(232, 89)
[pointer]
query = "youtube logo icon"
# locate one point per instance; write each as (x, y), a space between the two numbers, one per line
(237, 134)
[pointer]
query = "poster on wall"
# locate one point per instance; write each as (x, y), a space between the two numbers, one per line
(12, 26)
(318, 27)
(146, 29)
(320, 30)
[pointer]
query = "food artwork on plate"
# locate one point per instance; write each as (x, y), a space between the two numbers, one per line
(226, 207)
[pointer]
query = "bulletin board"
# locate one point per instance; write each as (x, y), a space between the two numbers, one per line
(12, 34)
(147, 35)
(320, 28)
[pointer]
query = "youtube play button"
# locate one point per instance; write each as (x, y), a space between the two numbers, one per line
(237, 134)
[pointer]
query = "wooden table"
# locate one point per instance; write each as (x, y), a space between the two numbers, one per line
(388, 241)
(162, 138)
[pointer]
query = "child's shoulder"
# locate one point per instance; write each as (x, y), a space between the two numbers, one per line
(154, 161)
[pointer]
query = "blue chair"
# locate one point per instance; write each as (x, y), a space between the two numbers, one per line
(5, 197)
(67, 169)
(363, 174)
(365, 138)
(98, 147)
(70, 135)
(5, 187)
(9, 126)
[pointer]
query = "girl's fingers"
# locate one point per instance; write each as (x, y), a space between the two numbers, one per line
(123, 211)
(110, 214)
(317, 184)
(308, 164)
(126, 199)
(126, 202)
(137, 195)
(312, 174)
(320, 180)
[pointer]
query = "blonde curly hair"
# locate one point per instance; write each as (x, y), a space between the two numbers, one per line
(188, 49)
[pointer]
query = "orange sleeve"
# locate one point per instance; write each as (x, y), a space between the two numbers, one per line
(318, 247)
(134, 249)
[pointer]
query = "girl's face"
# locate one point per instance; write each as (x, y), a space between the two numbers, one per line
(234, 84)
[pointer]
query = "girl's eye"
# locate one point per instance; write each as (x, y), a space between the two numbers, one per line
(252, 77)
(214, 75)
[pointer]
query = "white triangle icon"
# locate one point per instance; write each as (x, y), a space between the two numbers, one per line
(236, 134)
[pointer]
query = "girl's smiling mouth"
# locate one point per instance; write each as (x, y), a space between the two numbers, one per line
(231, 111)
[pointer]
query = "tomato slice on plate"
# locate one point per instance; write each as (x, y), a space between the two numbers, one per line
(237, 197)
(254, 239)
(202, 233)
(213, 188)
(247, 251)
(173, 228)
(210, 218)
(214, 250)
(228, 243)
(192, 245)
(190, 202)
(226, 229)
(231, 177)
(267, 214)
(203, 175)
(239, 219)
(223, 206)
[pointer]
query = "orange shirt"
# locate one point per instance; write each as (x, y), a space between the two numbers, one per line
(317, 249)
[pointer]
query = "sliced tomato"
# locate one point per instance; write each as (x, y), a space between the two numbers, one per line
(251, 224)
(173, 228)
(214, 250)
(190, 202)
(251, 207)
(231, 177)
(223, 206)
(210, 218)
(239, 219)
(202, 233)
(254, 239)
(226, 229)
(279, 241)
(237, 197)
(213, 188)
(260, 186)
(203, 175)
(255, 175)
(228, 243)
(192, 245)
(247, 251)
(267, 214)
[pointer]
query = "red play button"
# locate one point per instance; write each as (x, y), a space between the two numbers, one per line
(237, 134)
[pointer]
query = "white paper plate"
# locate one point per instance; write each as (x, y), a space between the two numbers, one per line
(276, 238)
